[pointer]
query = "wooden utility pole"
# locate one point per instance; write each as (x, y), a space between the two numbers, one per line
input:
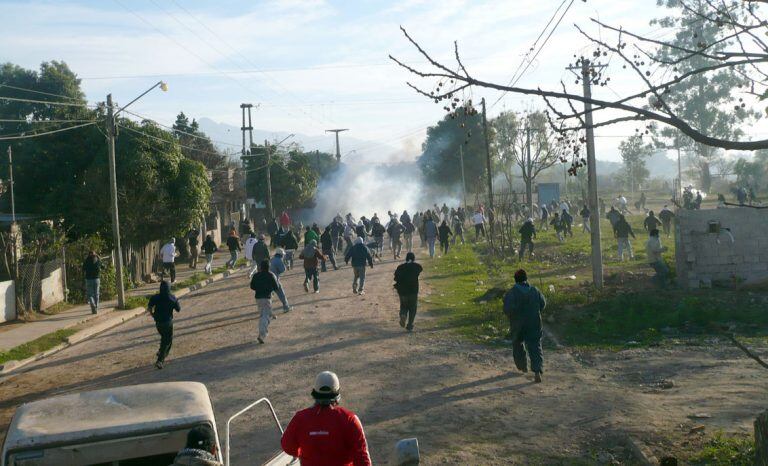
(528, 169)
(463, 181)
(587, 69)
(113, 194)
(269, 180)
(488, 165)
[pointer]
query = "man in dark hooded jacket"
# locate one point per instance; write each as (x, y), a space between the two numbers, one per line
(161, 307)
(523, 305)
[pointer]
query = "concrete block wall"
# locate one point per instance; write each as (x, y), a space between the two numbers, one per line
(703, 258)
(8, 301)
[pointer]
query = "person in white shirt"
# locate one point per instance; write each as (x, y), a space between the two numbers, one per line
(479, 220)
(249, 251)
(564, 206)
(168, 255)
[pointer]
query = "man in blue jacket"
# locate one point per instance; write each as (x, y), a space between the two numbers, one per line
(523, 305)
(359, 254)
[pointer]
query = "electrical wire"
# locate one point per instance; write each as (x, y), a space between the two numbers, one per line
(167, 141)
(205, 138)
(32, 101)
(45, 133)
(38, 92)
(515, 79)
(4, 120)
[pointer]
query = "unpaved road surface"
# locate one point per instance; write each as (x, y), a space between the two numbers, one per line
(465, 403)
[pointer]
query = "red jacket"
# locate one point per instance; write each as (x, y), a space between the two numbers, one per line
(285, 220)
(326, 436)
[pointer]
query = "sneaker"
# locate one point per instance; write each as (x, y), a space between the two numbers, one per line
(354, 289)
(402, 321)
(537, 377)
(317, 291)
(361, 292)
(261, 342)
(159, 364)
(306, 287)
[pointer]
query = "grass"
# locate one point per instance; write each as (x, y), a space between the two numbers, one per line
(57, 308)
(132, 302)
(722, 450)
(468, 286)
(36, 346)
(189, 281)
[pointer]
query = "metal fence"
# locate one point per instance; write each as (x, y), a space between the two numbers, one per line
(41, 284)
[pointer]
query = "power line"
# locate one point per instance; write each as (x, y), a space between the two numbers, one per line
(32, 101)
(5, 120)
(168, 142)
(38, 92)
(35, 135)
(205, 138)
(515, 79)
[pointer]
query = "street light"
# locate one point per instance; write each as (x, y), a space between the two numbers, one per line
(111, 134)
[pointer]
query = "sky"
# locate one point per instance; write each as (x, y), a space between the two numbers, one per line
(310, 65)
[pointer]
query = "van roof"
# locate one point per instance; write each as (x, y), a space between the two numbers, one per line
(109, 413)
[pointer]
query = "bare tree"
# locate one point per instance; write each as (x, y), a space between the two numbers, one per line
(527, 143)
(739, 47)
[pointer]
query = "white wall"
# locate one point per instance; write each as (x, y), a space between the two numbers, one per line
(52, 289)
(8, 301)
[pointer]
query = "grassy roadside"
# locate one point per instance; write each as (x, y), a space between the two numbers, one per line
(36, 346)
(468, 287)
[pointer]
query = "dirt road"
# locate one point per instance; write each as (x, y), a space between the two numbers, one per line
(465, 403)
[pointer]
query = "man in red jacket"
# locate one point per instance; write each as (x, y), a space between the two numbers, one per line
(326, 434)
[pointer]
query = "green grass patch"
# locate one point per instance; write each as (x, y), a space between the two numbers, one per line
(57, 308)
(132, 302)
(44, 343)
(194, 279)
(468, 285)
(722, 450)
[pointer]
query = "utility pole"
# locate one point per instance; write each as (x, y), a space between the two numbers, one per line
(463, 181)
(269, 180)
(248, 128)
(587, 69)
(488, 163)
(529, 168)
(10, 173)
(338, 150)
(113, 194)
(679, 187)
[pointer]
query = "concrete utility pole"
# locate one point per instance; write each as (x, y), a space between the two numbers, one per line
(113, 195)
(269, 180)
(463, 181)
(488, 160)
(248, 128)
(337, 131)
(587, 69)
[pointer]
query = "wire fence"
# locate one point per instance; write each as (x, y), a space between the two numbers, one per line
(40, 284)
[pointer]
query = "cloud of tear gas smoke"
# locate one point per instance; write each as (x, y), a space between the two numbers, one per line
(365, 189)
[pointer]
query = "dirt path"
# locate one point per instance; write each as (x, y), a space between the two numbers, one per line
(465, 404)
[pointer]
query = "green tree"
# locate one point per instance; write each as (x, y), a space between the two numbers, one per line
(293, 177)
(66, 175)
(513, 134)
(708, 101)
(633, 153)
(440, 161)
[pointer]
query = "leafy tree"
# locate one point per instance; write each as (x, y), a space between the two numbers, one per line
(708, 101)
(66, 175)
(749, 173)
(440, 159)
(633, 154)
(195, 144)
(513, 133)
(293, 177)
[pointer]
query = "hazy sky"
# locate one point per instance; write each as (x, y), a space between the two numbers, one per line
(311, 64)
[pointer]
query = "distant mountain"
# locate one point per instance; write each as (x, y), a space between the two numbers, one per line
(230, 134)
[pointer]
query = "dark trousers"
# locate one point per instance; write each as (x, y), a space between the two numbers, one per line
(171, 268)
(523, 245)
(165, 329)
(526, 336)
(444, 245)
(408, 303)
(311, 275)
(479, 230)
(328, 253)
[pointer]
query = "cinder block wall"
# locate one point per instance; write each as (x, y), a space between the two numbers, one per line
(703, 258)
